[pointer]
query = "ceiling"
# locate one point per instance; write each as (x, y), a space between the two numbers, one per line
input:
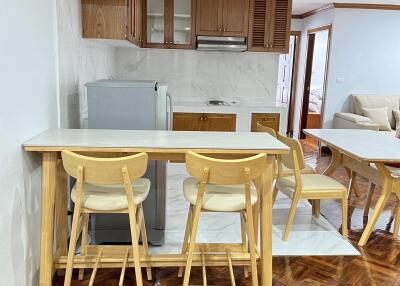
(303, 6)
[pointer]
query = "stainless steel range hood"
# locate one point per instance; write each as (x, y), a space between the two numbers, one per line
(232, 44)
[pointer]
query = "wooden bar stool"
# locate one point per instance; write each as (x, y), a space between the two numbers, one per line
(107, 185)
(307, 186)
(221, 186)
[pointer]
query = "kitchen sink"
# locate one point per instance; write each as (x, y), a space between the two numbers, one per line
(218, 103)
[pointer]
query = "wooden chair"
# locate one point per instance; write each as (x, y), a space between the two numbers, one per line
(307, 186)
(221, 186)
(266, 129)
(107, 185)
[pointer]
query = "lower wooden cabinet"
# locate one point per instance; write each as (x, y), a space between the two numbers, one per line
(204, 122)
(266, 119)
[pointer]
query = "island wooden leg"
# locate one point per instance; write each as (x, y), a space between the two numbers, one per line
(61, 209)
(336, 161)
(386, 191)
(266, 225)
(49, 173)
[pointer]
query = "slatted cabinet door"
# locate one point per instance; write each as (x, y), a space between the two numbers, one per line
(269, 29)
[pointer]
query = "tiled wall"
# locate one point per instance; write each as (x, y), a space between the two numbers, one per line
(198, 75)
(80, 61)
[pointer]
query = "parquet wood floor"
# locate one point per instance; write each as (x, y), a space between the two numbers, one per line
(379, 264)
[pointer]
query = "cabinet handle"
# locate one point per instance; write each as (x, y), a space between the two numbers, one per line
(205, 117)
(224, 29)
(201, 118)
(220, 29)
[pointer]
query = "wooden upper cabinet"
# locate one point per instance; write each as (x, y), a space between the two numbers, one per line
(235, 17)
(169, 24)
(209, 17)
(222, 17)
(135, 12)
(269, 29)
(104, 19)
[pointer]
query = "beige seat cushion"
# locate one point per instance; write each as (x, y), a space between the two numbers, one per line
(311, 183)
(221, 198)
(378, 116)
(111, 197)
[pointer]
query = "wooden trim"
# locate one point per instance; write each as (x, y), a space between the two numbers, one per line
(367, 6)
(319, 29)
(347, 6)
(295, 71)
(303, 121)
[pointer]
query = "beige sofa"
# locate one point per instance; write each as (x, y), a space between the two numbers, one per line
(356, 120)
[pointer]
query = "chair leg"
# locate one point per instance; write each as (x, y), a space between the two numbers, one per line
(369, 198)
(145, 243)
(85, 231)
(291, 217)
(274, 195)
(192, 243)
(316, 208)
(252, 244)
(72, 244)
(188, 229)
(397, 221)
(244, 242)
(344, 217)
(135, 245)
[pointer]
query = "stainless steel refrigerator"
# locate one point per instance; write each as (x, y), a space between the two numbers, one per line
(131, 105)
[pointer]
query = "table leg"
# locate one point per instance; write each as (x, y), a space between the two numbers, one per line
(336, 161)
(61, 209)
(266, 225)
(386, 191)
(49, 170)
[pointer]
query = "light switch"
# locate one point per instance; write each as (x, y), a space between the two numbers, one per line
(340, 80)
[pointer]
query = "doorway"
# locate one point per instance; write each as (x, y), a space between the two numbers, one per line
(287, 78)
(317, 60)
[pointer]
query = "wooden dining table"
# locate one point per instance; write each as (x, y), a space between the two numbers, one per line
(366, 153)
(159, 145)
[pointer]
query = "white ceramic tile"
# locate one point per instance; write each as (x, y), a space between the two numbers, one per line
(309, 236)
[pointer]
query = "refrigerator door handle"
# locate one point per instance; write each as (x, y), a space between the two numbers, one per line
(170, 112)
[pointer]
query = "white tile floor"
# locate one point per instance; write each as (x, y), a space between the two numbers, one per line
(309, 236)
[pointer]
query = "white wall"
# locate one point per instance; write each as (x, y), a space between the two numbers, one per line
(365, 53)
(80, 61)
(28, 107)
(200, 75)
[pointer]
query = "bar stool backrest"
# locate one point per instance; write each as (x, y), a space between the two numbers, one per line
(266, 129)
(295, 146)
(225, 172)
(104, 171)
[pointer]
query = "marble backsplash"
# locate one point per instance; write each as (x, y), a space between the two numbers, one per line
(79, 61)
(202, 75)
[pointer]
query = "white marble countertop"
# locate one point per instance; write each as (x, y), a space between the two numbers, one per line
(366, 145)
(97, 138)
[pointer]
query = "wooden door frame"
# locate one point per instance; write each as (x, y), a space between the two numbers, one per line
(293, 87)
(307, 77)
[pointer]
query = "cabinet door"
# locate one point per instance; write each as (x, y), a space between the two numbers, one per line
(235, 18)
(209, 17)
(280, 21)
(266, 119)
(104, 19)
(219, 122)
(135, 11)
(183, 24)
(269, 29)
(187, 121)
(154, 23)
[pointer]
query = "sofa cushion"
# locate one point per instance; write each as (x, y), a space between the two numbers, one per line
(396, 114)
(378, 116)
(376, 101)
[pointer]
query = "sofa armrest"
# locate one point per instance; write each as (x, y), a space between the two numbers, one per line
(344, 120)
(351, 117)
